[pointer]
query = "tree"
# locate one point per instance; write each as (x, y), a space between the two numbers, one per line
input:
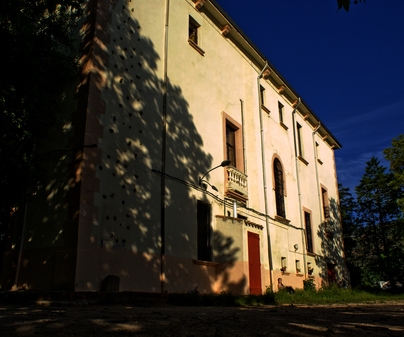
(346, 4)
(380, 250)
(350, 228)
(395, 154)
(39, 60)
(347, 206)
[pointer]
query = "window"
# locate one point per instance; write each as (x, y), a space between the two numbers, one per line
(262, 99)
(318, 154)
(283, 263)
(279, 189)
(262, 95)
(236, 184)
(231, 144)
(280, 109)
(194, 36)
(193, 30)
(204, 231)
(298, 268)
(326, 205)
(299, 140)
(309, 235)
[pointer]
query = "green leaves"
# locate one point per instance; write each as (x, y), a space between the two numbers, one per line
(346, 3)
(39, 60)
(395, 155)
(373, 223)
(343, 4)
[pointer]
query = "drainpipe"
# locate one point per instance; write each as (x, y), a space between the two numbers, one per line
(315, 164)
(264, 177)
(163, 152)
(242, 124)
(298, 181)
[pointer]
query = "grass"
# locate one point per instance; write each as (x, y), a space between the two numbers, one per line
(331, 295)
(335, 295)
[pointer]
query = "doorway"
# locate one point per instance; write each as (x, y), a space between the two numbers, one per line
(254, 263)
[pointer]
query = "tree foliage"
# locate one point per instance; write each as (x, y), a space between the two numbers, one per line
(379, 218)
(348, 207)
(395, 155)
(349, 228)
(39, 59)
(345, 4)
(373, 227)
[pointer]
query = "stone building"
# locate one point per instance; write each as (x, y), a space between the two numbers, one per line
(181, 158)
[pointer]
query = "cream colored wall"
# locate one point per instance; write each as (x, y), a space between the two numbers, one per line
(123, 236)
(213, 84)
(199, 90)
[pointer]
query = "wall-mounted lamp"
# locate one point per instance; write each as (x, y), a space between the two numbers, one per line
(296, 246)
(203, 182)
(222, 164)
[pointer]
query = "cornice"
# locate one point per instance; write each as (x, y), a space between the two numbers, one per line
(230, 30)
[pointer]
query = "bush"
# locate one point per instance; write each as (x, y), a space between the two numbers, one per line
(308, 284)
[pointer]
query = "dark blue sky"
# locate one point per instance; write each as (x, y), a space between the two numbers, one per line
(348, 67)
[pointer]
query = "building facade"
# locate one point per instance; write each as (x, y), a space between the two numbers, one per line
(183, 158)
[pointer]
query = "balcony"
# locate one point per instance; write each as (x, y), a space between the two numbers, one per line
(236, 184)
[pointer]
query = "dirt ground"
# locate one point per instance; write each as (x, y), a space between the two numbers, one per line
(86, 319)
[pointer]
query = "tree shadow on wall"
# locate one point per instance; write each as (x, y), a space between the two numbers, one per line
(332, 260)
(225, 253)
(128, 222)
(111, 190)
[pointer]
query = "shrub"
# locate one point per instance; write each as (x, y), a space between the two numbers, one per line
(308, 284)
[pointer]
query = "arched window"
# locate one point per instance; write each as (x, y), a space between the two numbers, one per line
(279, 189)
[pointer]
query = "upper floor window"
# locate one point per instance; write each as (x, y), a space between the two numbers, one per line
(326, 204)
(279, 189)
(236, 184)
(280, 109)
(194, 35)
(262, 94)
(299, 140)
(281, 115)
(262, 99)
(309, 234)
(193, 28)
(318, 154)
(231, 144)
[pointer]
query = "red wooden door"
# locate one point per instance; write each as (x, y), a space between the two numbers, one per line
(254, 263)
